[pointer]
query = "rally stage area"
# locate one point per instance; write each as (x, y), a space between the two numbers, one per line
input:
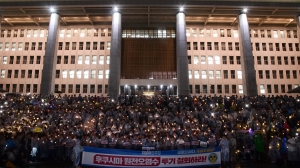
(105, 157)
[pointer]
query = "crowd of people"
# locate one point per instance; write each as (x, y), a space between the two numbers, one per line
(47, 128)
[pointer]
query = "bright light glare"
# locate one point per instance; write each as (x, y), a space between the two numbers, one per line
(245, 10)
(52, 9)
(181, 9)
(116, 9)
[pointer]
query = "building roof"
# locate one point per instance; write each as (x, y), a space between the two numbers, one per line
(280, 13)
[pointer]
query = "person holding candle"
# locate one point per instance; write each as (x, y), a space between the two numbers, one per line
(274, 147)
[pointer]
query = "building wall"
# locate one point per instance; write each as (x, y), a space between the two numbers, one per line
(79, 35)
(98, 81)
(266, 83)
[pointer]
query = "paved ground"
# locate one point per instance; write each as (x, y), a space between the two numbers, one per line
(237, 165)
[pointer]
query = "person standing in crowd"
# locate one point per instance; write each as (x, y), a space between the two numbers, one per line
(34, 145)
(168, 122)
(166, 142)
(157, 144)
(68, 147)
(43, 149)
(274, 147)
(195, 142)
(112, 141)
(146, 142)
(232, 141)
(187, 143)
(298, 147)
(126, 144)
(28, 145)
(224, 145)
(292, 151)
(180, 143)
(259, 147)
(283, 151)
(77, 150)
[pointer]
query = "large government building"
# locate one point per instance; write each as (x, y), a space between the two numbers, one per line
(167, 47)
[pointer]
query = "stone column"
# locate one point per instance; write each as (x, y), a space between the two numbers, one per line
(115, 56)
(298, 27)
(247, 62)
(181, 55)
(48, 72)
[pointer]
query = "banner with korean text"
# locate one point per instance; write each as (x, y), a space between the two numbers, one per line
(134, 158)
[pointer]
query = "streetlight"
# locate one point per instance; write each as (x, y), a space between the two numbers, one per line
(116, 9)
(52, 9)
(181, 9)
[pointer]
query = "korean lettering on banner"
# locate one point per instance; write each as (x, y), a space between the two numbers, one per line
(126, 160)
(184, 160)
(194, 159)
(168, 160)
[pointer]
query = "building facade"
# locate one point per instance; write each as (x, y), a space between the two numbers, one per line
(164, 52)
